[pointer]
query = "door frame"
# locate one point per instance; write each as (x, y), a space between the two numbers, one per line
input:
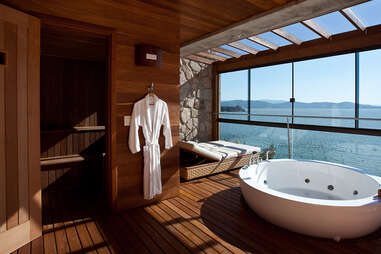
(109, 175)
(30, 226)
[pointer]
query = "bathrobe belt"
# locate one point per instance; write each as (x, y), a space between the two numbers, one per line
(152, 143)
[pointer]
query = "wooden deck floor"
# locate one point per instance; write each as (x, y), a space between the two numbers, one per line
(209, 216)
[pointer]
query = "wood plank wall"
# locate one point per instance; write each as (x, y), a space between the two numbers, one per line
(20, 196)
(3, 196)
(13, 131)
(131, 22)
(72, 95)
(131, 83)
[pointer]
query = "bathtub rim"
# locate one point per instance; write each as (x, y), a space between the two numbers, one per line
(370, 200)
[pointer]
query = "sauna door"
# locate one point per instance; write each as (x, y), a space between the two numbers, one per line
(20, 190)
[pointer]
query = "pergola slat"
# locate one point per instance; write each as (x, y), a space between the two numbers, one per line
(353, 18)
(291, 38)
(264, 42)
(243, 47)
(212, 56)
(200, 59)
(227, 52)
(294, 12)
(316, 28)
(342, 43)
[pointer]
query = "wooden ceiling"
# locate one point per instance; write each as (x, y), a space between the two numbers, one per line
(194, 18)
(201, 17)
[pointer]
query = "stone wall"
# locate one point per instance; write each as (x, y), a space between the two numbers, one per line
(196, 98)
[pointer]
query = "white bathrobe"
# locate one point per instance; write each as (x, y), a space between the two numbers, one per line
(150, 118)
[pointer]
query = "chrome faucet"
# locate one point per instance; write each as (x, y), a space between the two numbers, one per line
(267, 154)
(254, 160)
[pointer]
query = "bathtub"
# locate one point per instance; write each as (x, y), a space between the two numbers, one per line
(314, 198)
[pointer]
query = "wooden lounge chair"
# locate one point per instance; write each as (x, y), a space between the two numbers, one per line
(203, 159)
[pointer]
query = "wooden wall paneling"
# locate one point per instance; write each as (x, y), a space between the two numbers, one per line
(19, 135)
(72, 95)
(22, 123)
(131, 85)
(34, 127)
(11, 125)
(16, 236)
(3, 209)
(155, 25)
(61, 78)
(111, 171)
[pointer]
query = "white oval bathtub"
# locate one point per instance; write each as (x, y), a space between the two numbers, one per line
(312, 197)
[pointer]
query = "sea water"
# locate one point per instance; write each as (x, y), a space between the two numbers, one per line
(360, 151)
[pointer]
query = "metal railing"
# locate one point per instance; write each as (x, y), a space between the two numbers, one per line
(290, 136)
(301, 116)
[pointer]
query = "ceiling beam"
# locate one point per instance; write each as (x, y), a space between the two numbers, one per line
(243, 47)
(280, 1)
(227, 52)
(312, 25)
(264, 42)
(285, 35)
(263, 4)
(295, 11)
(348, 42)
(353, 18)
(200, 59)
(212, 56)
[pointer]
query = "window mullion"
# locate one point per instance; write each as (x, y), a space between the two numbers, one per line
(249, 94)
(357, 88)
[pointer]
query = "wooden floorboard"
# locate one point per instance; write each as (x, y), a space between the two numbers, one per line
(208, 216)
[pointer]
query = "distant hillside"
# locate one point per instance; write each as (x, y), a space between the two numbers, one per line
(284, 104)
(232, 109)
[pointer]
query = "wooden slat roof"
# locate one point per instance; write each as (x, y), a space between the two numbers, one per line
(311, 24)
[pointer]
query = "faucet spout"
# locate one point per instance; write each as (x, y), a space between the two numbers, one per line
(252, 159)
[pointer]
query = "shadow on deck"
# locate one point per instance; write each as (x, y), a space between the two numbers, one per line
(209, 216)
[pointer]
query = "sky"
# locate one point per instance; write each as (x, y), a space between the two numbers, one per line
(329, 79)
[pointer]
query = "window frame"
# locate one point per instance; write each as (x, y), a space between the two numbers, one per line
(291, 124)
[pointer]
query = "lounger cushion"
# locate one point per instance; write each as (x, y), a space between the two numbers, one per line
(208, 153)
(218, 150)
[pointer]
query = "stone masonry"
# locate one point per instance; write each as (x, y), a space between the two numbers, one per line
(195, 101)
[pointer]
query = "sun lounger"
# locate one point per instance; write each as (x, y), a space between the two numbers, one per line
(207, 158)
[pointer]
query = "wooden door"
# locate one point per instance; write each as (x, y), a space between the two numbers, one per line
(20, 190)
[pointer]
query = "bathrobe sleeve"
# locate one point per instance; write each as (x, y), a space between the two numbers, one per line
(133, 140)
(167, 128)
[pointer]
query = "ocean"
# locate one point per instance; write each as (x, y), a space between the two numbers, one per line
(360, 151)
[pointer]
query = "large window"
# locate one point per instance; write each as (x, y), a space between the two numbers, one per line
(327, 92)
(358, 151)
(260, 136)
(234, 94)
(325, 87)
(370, 88)
(271, 90)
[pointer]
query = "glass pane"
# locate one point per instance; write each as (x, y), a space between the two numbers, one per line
(275, 39)
(358, 151)
(370, 88)
(220, 54)
(369, 12)
(234, 49)
(271, 91)
(325, 87)
(252, 44)
(301, 32)
(234, 94)
(256, 136)
(334, 23)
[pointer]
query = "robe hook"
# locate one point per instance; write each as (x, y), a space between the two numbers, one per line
(150, 88)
